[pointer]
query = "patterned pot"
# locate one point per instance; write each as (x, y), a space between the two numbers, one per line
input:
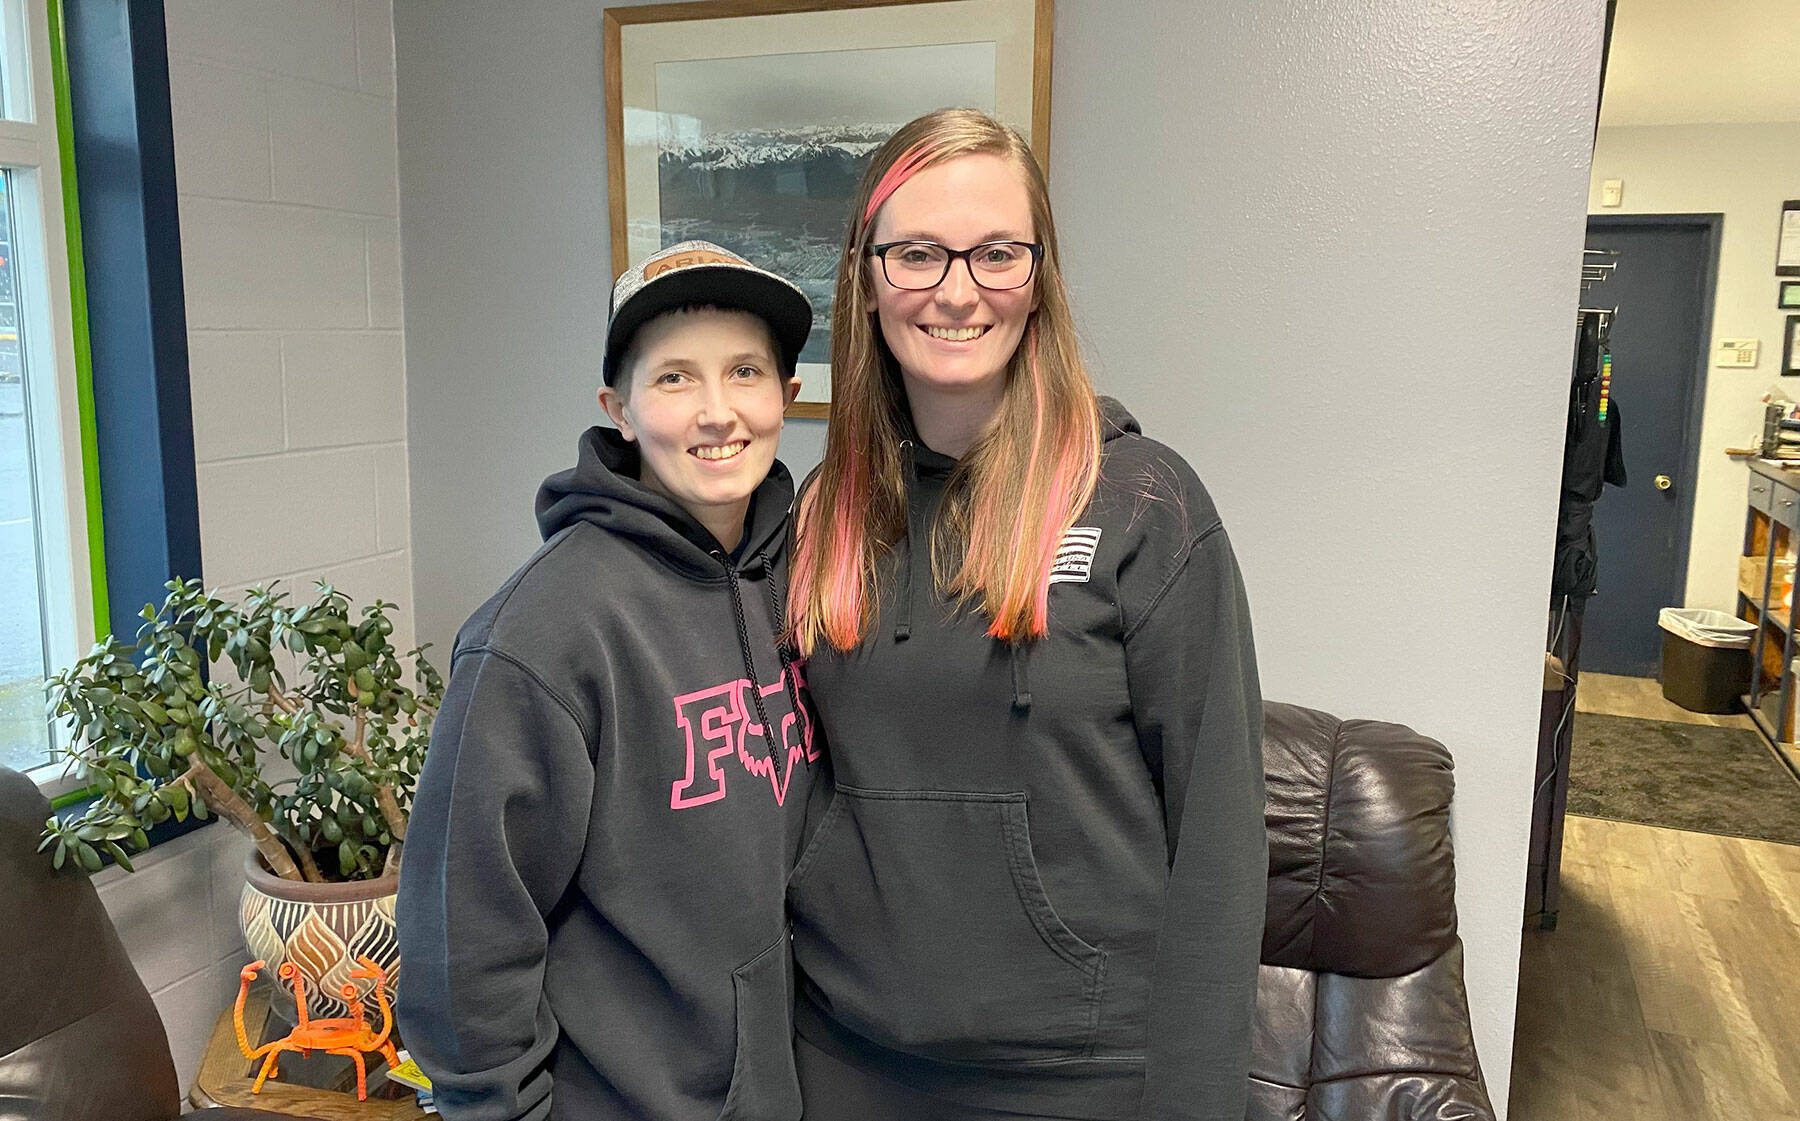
(322, 929)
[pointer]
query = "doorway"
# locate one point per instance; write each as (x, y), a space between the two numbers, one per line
(1663, 289)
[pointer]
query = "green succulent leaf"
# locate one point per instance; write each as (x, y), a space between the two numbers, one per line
(118, 855)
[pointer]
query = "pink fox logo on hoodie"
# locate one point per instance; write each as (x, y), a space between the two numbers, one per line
(721, 721)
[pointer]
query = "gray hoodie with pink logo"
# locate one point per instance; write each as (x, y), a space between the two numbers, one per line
(591, 919)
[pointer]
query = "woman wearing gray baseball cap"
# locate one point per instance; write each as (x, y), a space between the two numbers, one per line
(592, 917)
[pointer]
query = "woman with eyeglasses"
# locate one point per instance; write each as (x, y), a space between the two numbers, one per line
(1038, 887)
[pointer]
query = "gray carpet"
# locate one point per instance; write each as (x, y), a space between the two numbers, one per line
(1682, 776)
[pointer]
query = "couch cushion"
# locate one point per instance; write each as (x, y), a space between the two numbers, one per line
(1417, 1023)
(1334, 1048)
(1361, 877)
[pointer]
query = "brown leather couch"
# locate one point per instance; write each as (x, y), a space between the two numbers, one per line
(1361, 1012)
(80, 1039)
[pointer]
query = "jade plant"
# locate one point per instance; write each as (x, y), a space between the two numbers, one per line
(198, 716)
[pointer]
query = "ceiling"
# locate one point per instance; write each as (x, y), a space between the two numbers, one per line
(1703, 62)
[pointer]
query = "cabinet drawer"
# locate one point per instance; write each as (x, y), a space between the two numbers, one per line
(1785, 505)
(1762, 494)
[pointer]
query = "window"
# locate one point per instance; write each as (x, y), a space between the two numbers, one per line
(47, 598)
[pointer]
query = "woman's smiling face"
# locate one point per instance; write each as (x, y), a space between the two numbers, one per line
(958, 336)
(705, 408)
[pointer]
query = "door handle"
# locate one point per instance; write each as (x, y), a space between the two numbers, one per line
(1663, 482)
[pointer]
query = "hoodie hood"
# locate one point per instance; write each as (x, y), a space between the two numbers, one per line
(1116, 420)
(603, 489)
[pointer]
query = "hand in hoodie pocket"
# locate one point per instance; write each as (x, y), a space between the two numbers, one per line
(943, 971)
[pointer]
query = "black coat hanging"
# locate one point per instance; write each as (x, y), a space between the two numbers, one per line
(1593, 456)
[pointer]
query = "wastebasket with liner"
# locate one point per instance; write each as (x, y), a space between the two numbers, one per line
(1705, 658)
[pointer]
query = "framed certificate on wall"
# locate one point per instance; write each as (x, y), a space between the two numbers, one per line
(1787, 246)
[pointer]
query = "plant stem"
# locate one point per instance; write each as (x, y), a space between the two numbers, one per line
(281, 701)
(390, 810)
(223, 800)
(384, 794)
(308, 865)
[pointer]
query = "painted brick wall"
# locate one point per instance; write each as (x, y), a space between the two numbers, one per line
(287, 170)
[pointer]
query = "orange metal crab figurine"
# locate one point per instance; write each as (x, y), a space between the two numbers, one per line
(349, 1036)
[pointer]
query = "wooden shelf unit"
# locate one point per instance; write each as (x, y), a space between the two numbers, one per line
(1771, 521)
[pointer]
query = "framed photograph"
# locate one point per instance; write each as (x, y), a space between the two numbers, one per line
(750, 124)
(1789, 296)
(1790, 348)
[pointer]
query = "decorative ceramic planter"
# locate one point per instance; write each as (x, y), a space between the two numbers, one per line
(322, 929)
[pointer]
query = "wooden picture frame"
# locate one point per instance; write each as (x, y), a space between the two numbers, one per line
(749, 123)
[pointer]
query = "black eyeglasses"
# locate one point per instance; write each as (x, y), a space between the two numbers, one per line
(998, 266)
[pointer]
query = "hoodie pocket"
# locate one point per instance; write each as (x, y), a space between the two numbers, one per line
(764, 1086)
(920, 921)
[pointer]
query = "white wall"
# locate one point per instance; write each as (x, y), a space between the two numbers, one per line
(286, 169)
(1339, 279)
(509, 271)
(1744, 172)
(1328, 250)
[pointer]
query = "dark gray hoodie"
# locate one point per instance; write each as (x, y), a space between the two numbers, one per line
(590, 911)
(1040, 883)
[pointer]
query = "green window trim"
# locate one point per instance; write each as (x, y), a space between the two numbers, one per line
(84, 362)
(78, 315)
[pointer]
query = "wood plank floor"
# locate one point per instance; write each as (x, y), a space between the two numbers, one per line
(1611, 695)
(1668, 991)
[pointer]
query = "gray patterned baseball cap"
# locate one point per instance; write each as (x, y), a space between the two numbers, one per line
(699, 272)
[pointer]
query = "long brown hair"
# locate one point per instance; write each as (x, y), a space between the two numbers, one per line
(1021, 485)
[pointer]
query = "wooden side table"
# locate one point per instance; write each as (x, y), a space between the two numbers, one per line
(319, 1085)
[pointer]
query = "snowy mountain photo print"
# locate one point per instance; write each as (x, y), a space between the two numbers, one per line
(762, 154)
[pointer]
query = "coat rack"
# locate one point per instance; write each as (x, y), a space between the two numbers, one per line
(1596, 266)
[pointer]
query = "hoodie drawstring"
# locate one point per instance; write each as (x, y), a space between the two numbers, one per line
(1021, 676)
(743, 633)
(903, 621)
(789, 676)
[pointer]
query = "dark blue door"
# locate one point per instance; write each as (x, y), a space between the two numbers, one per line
(1660, 289)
